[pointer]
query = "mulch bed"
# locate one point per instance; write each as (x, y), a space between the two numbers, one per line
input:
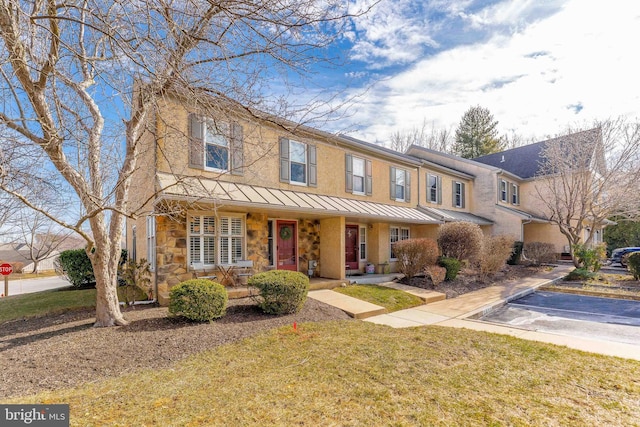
(65, 350)
(468, 281)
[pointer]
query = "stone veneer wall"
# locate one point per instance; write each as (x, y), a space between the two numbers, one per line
(308, 245)
(171, 253)
(171, 238)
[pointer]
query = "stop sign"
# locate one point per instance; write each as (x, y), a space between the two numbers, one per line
(6, 269)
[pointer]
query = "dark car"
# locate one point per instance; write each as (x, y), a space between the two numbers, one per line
(618, 255)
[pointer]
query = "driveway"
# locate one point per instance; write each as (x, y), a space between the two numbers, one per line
(605, 319)
(26, 286)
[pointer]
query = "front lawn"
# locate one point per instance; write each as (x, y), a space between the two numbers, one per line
(391, 299)
(359, 373)
(47, 302)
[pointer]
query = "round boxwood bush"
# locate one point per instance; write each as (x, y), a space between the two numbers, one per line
(200, 300)
(281, 291)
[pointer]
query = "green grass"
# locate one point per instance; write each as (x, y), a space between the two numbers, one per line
(359, 373)
(41, 303)
(391, 299)
(23, 276)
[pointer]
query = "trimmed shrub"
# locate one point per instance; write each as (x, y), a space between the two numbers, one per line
(436, 273)
(414, 255)
(539, 253)
(579, 275)
(496, 250)
(75, 266)
(452, 266)
(460, 240)
(281, 291)
(199, 300)
(590, 258)
(633, 264)
(516, 255)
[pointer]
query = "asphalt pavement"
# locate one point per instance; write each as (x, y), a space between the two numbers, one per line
(605, 319)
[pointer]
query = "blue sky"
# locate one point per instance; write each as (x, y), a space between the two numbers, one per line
(537, 65)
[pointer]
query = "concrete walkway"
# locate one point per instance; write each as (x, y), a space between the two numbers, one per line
(459, 312)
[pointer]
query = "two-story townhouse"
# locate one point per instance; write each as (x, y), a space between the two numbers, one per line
(449, 194)
(496, 202)
(522, 187)
(219, 188)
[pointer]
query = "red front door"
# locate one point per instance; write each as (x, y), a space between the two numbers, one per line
(287, 252)
(351, 247)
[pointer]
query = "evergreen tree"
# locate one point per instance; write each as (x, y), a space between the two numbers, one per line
(476, 134)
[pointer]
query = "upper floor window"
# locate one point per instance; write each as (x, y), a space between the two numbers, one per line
(400, 185)
(515, 194)
(298, 163)
(358, 175)
(458, 194)
(503, 190)
(215, 145)
(434, 189)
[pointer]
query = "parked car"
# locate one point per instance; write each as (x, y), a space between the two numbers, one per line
(618, 256)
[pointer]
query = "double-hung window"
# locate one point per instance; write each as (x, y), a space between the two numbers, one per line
(434, 190)
(515, 194)
(400, 185)
(458, 194)
(298, 159)
(298, 163)
(503, 190)
(216, 240)
(396, 234)
(358, 175)
(215, 145)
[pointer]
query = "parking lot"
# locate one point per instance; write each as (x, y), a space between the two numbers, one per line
(605, 319)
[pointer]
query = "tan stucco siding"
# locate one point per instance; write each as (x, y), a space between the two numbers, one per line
(547, 233)
(262, 166)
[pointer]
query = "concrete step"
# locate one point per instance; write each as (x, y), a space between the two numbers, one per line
(354, 307)
(426, 295)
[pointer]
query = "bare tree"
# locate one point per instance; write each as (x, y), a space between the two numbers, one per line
(425, 136)
(588, 176)
(38, 235)
(70, 115)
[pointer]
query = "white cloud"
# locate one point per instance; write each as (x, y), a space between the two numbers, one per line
(531, 78)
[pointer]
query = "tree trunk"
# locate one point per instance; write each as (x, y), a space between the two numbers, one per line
(107, 305)
(35, 267)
